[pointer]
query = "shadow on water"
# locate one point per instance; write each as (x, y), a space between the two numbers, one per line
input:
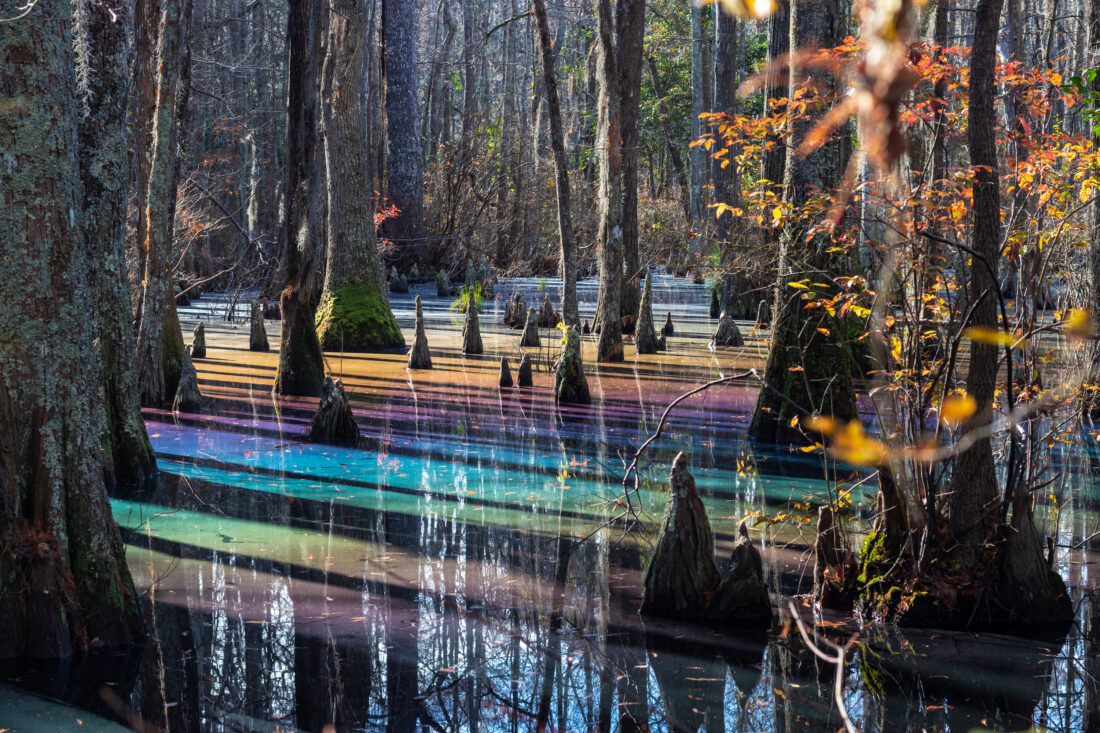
(433, 578)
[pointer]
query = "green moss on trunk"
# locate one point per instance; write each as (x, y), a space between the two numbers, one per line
(356, 317)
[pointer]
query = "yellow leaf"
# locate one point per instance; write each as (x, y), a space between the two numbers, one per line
(957, 408)
(991, 336)
(749, 9)
(1079, 323)
(820, 424)
(1056, 79)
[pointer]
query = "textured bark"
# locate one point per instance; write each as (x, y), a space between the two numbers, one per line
(742, 595)
(442, 285)
(198, 342)
(301, 368)
(515, 311)
(570, 384)
(158, 361)
(505, 379)
(835, 567)
(645, 336)
(104, 167)
(257, 337)
(727, 333)
(813, 340)
(530, 335)
(352, 248)
(188, 398)
(724, 171)
(682, 574)
(697, 155)
(561, 168)
(774, 158)
(405, 167)
(471, 331)
(333, 423)
(524, 371)
(548, 317)
(629, 35)
(973, 503)
(420, 357)
(63, 576)
(609, 347)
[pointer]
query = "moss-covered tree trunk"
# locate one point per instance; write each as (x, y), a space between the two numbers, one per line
(158, 352)
(301, 369)
(63, 576)
(354, 314)
(104, 173)
(609, 142)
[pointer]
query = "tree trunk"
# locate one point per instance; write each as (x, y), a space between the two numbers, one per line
(104, 168)
(725, 173)
(697, 155)
(812, 344)
(354, 314)
(158, 353)
(630, 34)
(301, 367)
(569, 311)
(610, 239)
(973, 503)
(64, 578)
(405, 165)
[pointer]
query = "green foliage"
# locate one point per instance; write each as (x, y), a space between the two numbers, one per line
(463, 300)
(357, 318)
(1086, 85)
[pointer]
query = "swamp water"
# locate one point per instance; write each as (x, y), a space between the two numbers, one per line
(435, 577)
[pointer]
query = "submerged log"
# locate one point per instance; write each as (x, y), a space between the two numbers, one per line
(505, 380)
(257, 338)
(645, 339)
(669, 329)
(188, 398)
(727, 333)
(198, 342)
(682, 572)
(442, 284)
(420, 357)
(471, 331)
(715, 304)
(398, 283)
(333, 424)
(570, 384)
(742, 594)
(525, 371)
(530, 335)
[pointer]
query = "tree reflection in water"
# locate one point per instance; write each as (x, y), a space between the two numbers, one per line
(433, 578)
